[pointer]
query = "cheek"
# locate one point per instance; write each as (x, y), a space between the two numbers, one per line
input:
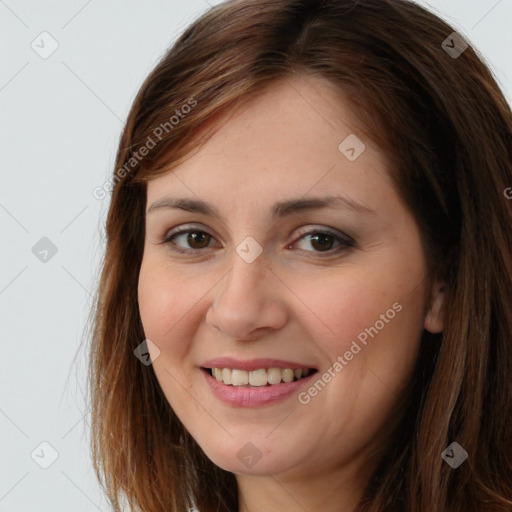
(373, 322)
(165, 304)
(356, 304)
(375, 329)
(164, 301)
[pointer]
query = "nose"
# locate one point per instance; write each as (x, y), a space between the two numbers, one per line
(247, 303)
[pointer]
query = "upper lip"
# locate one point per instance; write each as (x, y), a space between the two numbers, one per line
(252, 364)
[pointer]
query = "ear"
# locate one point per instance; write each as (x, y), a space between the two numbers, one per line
(434, 319)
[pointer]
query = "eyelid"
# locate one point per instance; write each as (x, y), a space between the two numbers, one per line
(301, 231)
(346, 242)
(330, 231)
(185, 228)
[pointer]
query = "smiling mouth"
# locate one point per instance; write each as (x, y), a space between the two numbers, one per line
(258, 378)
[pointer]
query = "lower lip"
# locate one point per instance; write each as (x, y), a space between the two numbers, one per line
(257, 396)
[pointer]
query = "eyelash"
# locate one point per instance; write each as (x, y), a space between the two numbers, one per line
(345, 241)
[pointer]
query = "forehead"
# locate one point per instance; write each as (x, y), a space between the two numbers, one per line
(289, 140)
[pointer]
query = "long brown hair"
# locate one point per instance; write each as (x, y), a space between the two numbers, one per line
(446, 129)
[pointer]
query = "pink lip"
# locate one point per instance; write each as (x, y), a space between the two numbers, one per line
(252, 364)
(240, 396)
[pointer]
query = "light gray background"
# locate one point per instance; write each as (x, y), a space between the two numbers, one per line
(60, 121)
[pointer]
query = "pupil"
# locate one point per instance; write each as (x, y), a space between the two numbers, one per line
(192, 238)
(321, 237)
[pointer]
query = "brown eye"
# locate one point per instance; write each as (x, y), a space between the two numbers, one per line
(194, 239)
(322, 241)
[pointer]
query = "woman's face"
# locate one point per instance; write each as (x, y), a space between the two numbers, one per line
(268, 280)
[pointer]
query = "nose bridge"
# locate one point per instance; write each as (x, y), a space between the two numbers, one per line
(244, 301)
(247, 270)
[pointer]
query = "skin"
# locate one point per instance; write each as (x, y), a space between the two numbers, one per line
(289, 303)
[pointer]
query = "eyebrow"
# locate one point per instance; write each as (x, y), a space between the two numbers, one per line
(279, 210)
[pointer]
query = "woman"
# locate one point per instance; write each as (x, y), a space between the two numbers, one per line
(305, 298)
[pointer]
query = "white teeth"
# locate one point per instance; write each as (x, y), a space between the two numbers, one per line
(288, 375)
(226, 376)
(260, 377)
(274, 375)
(239, 377)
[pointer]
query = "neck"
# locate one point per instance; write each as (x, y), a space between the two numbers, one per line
(333, 490)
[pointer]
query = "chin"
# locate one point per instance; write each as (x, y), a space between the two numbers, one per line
(250, 458)
(260, 468)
